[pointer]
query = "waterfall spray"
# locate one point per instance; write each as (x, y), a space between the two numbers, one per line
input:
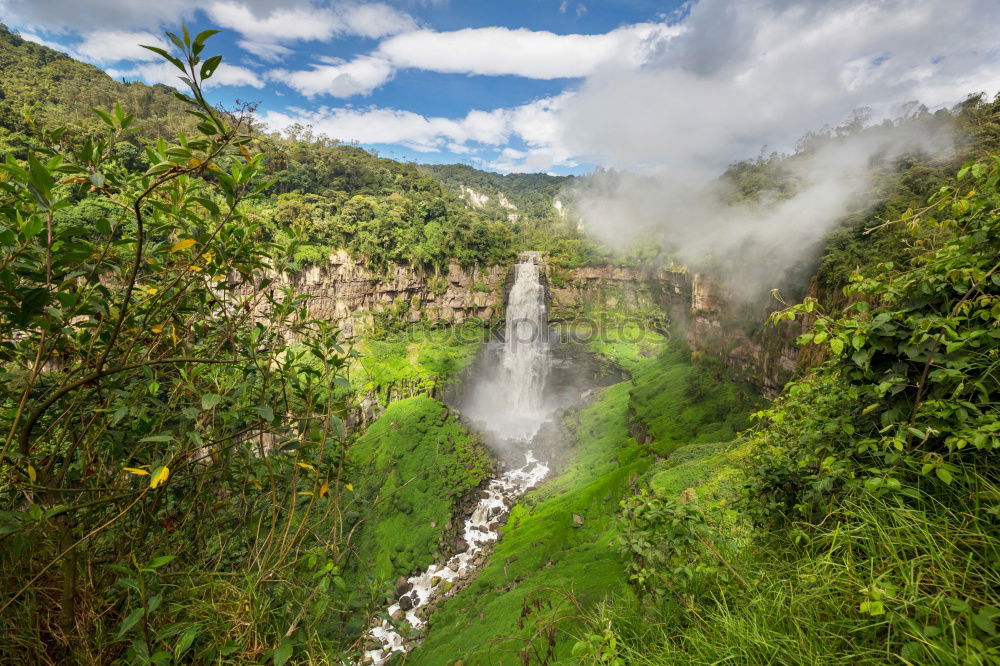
(510, 402)
(526, 350)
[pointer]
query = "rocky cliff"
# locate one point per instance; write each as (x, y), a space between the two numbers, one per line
(713, 323)
(739, 334)
(357, 298)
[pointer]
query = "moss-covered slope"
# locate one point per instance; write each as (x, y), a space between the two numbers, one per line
(410, 470)
(558, 554)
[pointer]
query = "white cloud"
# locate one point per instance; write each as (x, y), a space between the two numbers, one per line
(107, 46)
(523, 52)
(280, 24)
(266, 51)
(308, 22)
(477, 130)
(73, 15)
(759, 72)
(339, 78)
(486, 51)
(259, 21)
(163, 72)
(376, 20)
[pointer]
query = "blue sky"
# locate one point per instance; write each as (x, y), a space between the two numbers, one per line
(552, 85)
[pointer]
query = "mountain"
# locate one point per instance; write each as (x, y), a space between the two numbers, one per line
(338, 196)
(59, 91)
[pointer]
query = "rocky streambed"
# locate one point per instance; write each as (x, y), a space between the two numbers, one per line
(482, 529)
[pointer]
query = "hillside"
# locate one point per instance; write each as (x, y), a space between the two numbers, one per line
(60, 92)
(335, 196)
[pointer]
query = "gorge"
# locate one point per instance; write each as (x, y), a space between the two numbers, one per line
(271, 397)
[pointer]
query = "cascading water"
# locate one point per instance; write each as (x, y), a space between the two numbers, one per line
(510, 404)
(508, 401)
(526, 350)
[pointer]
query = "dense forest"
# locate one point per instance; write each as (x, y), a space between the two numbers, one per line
(337, 195)
(196, 469)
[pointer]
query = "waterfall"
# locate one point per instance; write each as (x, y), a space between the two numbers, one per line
(509, 401)
(526, 347)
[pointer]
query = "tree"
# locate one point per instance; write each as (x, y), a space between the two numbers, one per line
(147, 382)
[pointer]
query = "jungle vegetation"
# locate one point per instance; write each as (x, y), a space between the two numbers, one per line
(181, 482)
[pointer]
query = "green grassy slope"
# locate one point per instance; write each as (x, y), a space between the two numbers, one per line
(410, 470)
(525, 598)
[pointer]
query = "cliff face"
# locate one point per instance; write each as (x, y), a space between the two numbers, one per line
(357, 299)
(631, 292)
(353, 296)
(740, 335)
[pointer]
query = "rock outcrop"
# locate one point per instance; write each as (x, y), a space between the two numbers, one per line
(353, 296)
(738, 333)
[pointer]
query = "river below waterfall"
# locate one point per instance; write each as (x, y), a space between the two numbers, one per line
(512, 396)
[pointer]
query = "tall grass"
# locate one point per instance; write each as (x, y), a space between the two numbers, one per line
(878, 582)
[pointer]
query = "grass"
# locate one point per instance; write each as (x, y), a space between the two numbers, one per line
(416, 361)
(410, 470)
(546, 572)
(804, 606)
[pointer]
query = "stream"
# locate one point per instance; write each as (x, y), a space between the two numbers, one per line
(510, 400)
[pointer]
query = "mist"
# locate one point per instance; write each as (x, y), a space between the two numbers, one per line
(742, 79)
(750, 244)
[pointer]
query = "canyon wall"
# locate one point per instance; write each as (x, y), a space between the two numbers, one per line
(713, 324)
(359, 299)
(739, 334)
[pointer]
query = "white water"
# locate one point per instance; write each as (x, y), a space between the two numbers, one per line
(509, 400)
(510, 403)
(526, 353)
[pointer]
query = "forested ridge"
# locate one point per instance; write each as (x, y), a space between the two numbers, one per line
(338, 195)
(186, 477)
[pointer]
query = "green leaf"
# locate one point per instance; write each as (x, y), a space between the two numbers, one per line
(204, 35)
(130, 621)
(265, 412)
(943, 474)
(282, 653)
(176, 40)
(985, 619)
(184, 642)
(172, 60)
(210, 400)
(210, 66)
(105, 117)
(160, 561)
(837, 346)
